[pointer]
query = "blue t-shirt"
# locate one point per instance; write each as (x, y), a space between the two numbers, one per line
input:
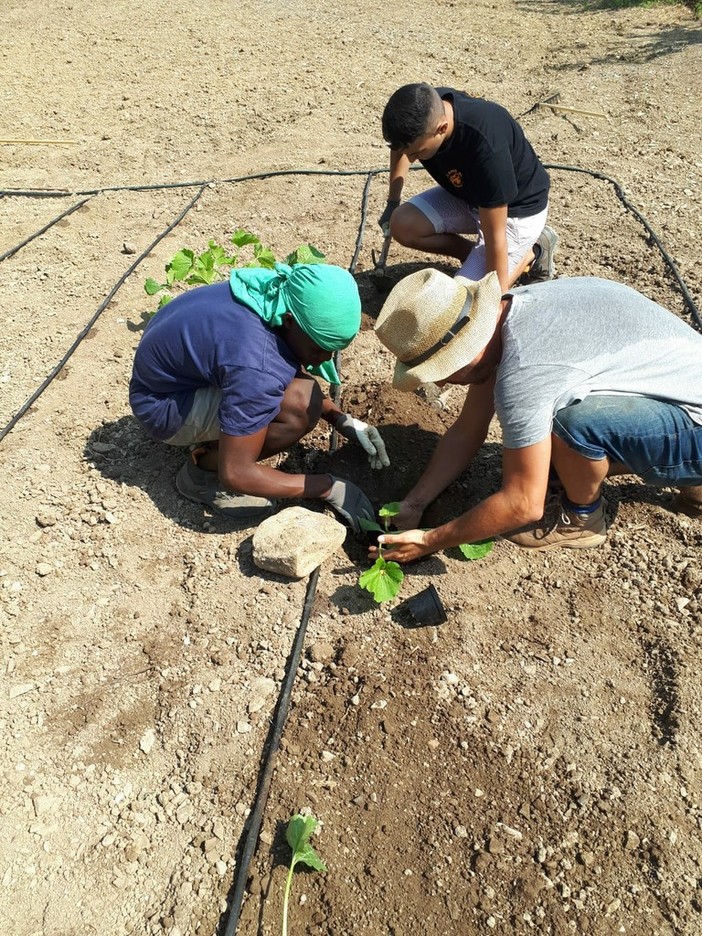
(204, 338)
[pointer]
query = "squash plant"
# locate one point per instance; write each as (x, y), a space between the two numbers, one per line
(384, 578)
(215, 264)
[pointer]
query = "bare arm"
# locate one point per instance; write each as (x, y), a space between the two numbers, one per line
(520, 500)
(493, 222)
(455, 451)
(399, 167)
(240, 471)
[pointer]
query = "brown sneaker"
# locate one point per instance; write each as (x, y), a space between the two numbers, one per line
(689, 502)
(565, 528)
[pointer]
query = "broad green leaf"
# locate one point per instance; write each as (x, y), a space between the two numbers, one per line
(307, 855)
(151, 287)
(240, 238)
(264, 256)
(218, 254)
(164, 301)
(477, 550)
(369, 525)
(389, 510)
(299, 831)
(180, 266)
(206, 278)
(305, 253)
(382, 580)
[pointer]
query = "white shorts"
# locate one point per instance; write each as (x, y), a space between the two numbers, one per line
(202, 422)
(451, 215)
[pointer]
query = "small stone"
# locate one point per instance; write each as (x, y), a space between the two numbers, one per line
(128, 248)
(460, 831)
(21, 689)
(215, 685)
(433, 744)
(243, 727)
(613, 905)
(321, 651)
(631, 841)
(148, 740)
(43, 568)
(327, 757)
(221, 868)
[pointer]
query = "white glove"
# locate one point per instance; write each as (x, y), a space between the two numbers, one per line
(367, 436)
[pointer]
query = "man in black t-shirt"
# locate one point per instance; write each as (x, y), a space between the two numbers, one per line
(490, 184)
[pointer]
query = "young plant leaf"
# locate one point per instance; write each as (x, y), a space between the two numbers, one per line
(382, 580)
(263, 257)
(389, 510)
(477, 550)
(298, 833)
(369, 525)
(240, 238)
(179, 266)
(305, 253)
(151, 287)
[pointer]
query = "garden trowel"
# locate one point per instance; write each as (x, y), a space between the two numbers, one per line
(383, 282)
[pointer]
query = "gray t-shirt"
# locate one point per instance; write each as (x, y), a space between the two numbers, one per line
(567, 338)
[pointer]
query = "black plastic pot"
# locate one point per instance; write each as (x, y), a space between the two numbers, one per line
(426, 607)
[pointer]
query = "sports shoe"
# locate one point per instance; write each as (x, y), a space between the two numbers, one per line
(542, 267)
(203, 487)
(562, 527)
(689, 501)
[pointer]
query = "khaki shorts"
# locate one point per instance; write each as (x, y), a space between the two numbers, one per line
(451, 215)
(202, 422)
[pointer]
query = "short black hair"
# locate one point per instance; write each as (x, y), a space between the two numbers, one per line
(408, 114)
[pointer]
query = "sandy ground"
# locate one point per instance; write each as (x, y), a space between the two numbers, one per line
(533, 764)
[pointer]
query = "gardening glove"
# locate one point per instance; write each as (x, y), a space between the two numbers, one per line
(384, 219)
(349, 500)
(367, 437)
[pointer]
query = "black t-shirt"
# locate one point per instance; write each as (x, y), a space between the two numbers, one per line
(488, 161)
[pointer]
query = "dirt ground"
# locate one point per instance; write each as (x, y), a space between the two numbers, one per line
(534, 764)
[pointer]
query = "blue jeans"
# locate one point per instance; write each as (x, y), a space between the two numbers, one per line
(655, 440)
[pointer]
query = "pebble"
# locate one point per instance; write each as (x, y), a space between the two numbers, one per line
(243, 727)
(148, 740)
(43, 569)
(21, 689)
(128, 248)
(327, 756)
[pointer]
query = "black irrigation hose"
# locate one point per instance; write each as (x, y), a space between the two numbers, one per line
(651, 233)
(28, 240)
(58, 193)
(249, 839)
(101, 308)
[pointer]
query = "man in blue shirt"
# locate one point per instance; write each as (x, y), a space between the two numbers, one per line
(228, 369)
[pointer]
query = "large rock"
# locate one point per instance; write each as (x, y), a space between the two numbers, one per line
(295, 541)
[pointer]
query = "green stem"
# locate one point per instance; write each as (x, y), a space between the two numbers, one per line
(286, 897)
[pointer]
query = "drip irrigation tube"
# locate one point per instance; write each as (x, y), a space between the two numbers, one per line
(619, 191)
(28, 240)
(247, 845)
(96, 315)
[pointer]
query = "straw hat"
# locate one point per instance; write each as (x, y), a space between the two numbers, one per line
(435, 324)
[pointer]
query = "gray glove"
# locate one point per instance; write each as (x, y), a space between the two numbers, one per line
(367, 437)
(349, 500)
(384, 219)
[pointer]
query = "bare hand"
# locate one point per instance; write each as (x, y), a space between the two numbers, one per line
(402, 547)
(409, 516)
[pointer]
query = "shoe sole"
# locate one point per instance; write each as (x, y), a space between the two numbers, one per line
(552, 240)
(590, 542)
(242, 512)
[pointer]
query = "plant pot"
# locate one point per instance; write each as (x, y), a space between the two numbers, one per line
(426, 607)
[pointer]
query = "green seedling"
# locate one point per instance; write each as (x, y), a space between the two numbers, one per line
(383, 579)
(477, 550)
(216, 263)
(298, 834)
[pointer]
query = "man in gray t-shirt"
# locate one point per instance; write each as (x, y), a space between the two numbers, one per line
(587, 377)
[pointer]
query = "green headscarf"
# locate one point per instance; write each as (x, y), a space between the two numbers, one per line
(323, 300)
